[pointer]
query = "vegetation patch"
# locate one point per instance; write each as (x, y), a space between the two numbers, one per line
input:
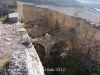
(4, 62)
(4, 18)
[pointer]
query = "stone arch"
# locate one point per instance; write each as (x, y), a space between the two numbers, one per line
(40, 48)
(66, 45)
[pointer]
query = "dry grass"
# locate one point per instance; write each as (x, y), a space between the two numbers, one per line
(4, 60)
(4, 18)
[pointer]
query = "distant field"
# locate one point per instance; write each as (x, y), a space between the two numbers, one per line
(20, 7)
(88, 13)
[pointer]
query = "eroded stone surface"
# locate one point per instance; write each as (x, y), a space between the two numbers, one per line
(11, 38)
(25, 63)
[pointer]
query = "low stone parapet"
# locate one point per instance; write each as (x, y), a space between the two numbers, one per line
(25, 63)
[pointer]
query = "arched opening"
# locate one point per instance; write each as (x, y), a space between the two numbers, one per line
(59, 48)
(40, 50)
(58, 53)
(65, 61)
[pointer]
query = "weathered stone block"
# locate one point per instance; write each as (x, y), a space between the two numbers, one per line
(13, 17)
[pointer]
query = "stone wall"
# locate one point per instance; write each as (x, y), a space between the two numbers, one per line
(26, 60)
(8, 6)
(35, 21)
(64, 22)
(87, 39)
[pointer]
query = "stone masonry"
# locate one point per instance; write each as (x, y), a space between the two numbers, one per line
(86, 39)
(8, 6)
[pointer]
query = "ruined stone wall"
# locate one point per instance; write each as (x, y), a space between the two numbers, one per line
(55, 19)
(8, 6)
(87, 39)
(67, 22)
(39, 21)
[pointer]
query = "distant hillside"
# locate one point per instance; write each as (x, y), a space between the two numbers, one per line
(55, 2)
